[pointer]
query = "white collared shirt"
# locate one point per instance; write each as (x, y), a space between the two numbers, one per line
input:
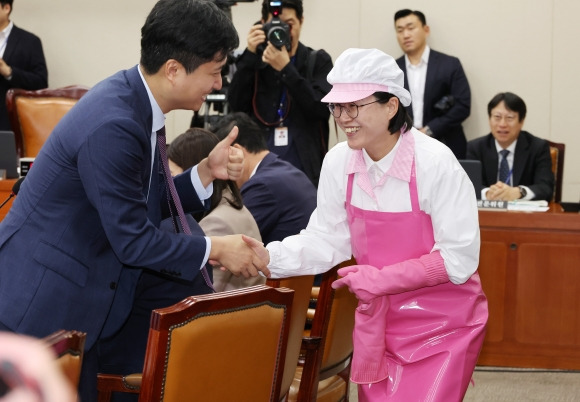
(4, 34)
(510, 159)
(158, 123)
(417, 76)
(445, 193)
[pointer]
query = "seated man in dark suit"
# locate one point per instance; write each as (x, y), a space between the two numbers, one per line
(437, 82)
(280, 196)
(22, 63)
(516, 165)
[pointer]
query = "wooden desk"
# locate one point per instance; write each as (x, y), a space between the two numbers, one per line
(530, 271)
(5, 190)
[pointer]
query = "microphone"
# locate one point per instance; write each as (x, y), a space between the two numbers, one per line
(15, 190)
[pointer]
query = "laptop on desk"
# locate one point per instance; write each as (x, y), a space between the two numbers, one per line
(474, 171)
(8, 156)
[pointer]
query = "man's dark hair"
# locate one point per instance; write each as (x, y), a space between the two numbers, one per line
(250, 135)
(193, 32)
(187, 150)
(512, 102)
(406, 12)
(296, 5)
(400, 119)
(4, 2)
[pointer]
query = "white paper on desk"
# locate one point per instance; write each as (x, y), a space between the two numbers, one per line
(525, 205)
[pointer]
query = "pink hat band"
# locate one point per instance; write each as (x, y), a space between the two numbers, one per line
(347, 92)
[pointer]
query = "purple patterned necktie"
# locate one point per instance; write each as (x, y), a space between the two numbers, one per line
(172, 195)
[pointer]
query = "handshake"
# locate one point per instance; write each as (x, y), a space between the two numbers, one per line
(240, 254)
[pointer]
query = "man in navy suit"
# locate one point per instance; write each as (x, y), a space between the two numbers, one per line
(22, 63)
(280, 196)
(86, 219)
(438, 85)
(527, 160)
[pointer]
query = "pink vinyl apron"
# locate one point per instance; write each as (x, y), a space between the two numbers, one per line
(433, 335)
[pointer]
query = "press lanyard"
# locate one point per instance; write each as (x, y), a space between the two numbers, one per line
(281, 107)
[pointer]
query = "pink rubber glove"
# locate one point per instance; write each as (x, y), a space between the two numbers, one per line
(368, 282)
(355, 281)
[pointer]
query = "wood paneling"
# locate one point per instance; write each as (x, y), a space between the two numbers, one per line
(530, 271)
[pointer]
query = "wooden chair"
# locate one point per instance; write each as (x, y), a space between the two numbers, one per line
(69, 349)
(34, 114)
(302, 287)
(324, 371)
(557, 154)
(227, 346)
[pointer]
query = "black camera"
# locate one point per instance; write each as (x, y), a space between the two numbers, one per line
(277, 32)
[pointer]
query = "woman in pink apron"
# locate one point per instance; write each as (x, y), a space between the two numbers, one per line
(400, 203)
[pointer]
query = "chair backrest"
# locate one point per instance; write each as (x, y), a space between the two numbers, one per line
(328, 348)
(219, 347)
(557, 154)
(69, 349)
(302, 287)
(34, 114)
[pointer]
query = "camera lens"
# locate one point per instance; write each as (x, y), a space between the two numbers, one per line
(278, 36)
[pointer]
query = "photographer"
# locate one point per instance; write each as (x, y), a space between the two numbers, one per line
(281, 87)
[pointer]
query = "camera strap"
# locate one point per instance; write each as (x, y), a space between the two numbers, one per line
(283, 106)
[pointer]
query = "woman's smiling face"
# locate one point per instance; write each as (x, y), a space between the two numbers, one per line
(369, 129)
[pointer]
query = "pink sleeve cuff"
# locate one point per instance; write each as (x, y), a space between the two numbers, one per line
(435, 271)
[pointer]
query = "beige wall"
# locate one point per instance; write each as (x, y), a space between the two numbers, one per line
(522, 46)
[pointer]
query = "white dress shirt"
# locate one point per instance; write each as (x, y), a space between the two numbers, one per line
(445, 193)
(510, 159)
(417, 76)
(4, 34)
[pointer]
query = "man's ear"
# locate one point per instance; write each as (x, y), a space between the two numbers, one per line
(171, 69)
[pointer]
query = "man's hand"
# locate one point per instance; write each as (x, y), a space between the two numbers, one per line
(276, 58)
(256, 37)
(502, 192)
(235, 253)
(5, 69)
(223, 162)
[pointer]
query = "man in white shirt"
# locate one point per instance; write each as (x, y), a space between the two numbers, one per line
(441, 98)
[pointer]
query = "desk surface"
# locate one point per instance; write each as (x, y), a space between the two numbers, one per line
(554, 218)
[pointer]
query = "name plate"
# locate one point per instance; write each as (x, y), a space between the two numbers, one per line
(493, 205)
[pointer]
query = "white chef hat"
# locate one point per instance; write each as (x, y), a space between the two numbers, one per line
(358, 73)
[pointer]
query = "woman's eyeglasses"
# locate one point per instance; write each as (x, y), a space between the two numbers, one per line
(351, 110)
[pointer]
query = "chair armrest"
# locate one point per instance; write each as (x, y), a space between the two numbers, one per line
(109, 383)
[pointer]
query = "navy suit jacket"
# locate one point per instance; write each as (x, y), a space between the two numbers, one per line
(445, 76)
(24, 55)
(85, 220)
(532, 166)
(280, 197)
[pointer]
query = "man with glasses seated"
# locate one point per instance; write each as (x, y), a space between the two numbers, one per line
(516, 164)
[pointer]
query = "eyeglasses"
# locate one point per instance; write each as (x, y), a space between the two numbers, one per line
(351, 109)
(509, 118)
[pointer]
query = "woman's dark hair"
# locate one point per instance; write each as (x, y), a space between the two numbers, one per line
(400, 119)
(187, 150)
(193, 32)
(512, 102)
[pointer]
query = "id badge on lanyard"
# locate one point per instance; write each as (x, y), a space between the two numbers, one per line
(281, 132)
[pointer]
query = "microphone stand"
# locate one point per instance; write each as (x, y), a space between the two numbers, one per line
(7, 199)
